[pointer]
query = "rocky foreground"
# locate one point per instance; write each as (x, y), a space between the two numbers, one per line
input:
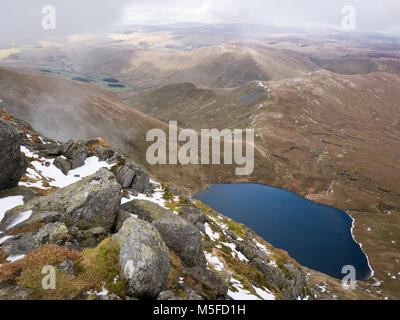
(112, 232)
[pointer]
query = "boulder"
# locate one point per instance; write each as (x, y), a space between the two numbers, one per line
(183, 238)
(132, 177)
(12, 163)
(90, 203)
(50, 150)
(144, 258)
(122, 216)
(197, 217)
(62, 164)
(104, 153)
(75, 152)
(77, 157)
(217, 282)
(146, 210)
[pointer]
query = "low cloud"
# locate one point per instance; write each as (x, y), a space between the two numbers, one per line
(20, 21)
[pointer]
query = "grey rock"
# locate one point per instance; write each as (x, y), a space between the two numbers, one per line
(144, 258)
(122, 216)
(217, 282)
(197, 217)
(92, 202)
(132, 177)
(62, 164)
(12, 163)
(67, 266)
(15, 293)
(291, 287)
(104, 153)
(146, 210)
(125, 176)
(25, 243)
(183, 238)
(289, 279)
(50, 150)
(168, 295)
(77, 157)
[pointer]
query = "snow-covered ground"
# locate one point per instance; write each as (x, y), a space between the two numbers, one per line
(240, 293)
(54, 176)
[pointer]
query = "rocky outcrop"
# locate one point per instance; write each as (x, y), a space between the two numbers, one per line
(12, 163)
(289, 278)
(179, 234)
(132, 177)
(144, 258)
(76, 153)
(93, 202)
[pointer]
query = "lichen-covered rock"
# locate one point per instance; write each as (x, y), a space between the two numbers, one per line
(92, 202)
(104, 153)
(132, 177)
(216, 282)
(122, 216)
(62, 164)
(288, 278)
(50, 150)
(194, 215)
(25, 242)
(183, 238)
(12, 163)
(77, 156)
(144, 258)
(180, 235)
(146, 210)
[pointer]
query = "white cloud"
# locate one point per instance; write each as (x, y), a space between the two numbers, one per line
(372, 15)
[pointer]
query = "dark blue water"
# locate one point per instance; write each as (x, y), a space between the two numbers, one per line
(317, 236)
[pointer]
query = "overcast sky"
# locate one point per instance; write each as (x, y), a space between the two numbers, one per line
(20, 20)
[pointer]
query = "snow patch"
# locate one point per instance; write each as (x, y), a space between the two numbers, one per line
(15, 258)
(23, 216)
(54, 176)
(9, 203)
(214, 261)
(4, 239)
(214, 236)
